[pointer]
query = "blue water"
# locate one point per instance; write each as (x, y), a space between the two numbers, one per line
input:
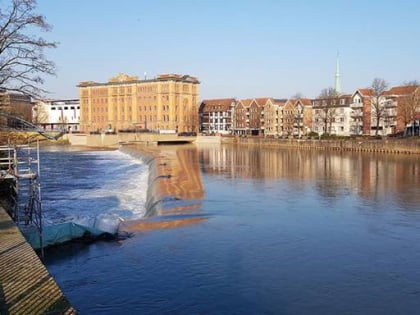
(287, 232)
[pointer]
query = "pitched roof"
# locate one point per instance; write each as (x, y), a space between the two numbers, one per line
(279, 101)
(223, 104)
(366, 92)
(305, 101)
(401, 90)
(246, 102)
(262, 100)
(219, 101)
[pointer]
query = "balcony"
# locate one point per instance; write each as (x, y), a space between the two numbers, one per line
(390, 104)
(356, 114)
(356, 105)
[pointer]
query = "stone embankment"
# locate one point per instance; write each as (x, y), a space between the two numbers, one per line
(388, 145)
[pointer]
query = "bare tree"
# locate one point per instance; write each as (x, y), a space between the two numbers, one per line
(327, 110)
(22, 59)
(411, 83)
(297, 96)
(408, 106)
(40, 113)
(379, 113)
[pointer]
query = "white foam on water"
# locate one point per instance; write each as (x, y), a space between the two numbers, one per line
(104, 190)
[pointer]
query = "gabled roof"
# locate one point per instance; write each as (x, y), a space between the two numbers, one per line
(209, 105)
(290, 102)
(364, 92)
(304, 101)
(279, 102)
(246, 102)
(219, 101)
(261, 101)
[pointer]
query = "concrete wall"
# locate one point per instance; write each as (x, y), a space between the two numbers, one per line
(388, 145)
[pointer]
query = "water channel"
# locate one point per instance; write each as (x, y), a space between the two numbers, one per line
(277, 232)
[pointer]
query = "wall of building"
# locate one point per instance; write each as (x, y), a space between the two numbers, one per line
(168, 102)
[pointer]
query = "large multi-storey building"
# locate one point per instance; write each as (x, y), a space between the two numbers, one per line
(273, 110)
(57, 115)
(216, 116)
(331, 115)
(248, 117)
(360, 115)
(168, 102)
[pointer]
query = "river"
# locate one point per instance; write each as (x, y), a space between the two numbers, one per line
(279, 232)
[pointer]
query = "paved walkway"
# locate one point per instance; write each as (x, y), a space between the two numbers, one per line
(26, 287)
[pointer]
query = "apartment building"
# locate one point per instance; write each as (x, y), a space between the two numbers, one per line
(390, 113)
(401, 106)
(57, 115)
(273, 109)
(331, 115)
(304, 106)
(360, 115)
(168, 102)
(240, 117)
(248, 117)
(216, 116)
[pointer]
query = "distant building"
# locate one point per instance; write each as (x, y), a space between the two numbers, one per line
(57, 115)
(360, 115)
(332, 115)
(401, 107)
(17, 104)
(216, 116)
(248, 117)
(168, 102)
(304, 107)
(273, 109)
(396, 109)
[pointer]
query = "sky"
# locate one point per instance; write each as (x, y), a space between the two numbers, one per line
(240, 49)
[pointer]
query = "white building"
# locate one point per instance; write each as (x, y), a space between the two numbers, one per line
(57, 115)
(332, 115)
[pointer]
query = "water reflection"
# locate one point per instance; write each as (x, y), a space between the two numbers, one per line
(371, 176)
(176, 187)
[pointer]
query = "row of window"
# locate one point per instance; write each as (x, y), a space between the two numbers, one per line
(65, 108)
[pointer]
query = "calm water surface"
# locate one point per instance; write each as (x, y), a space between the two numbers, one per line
(286, 232)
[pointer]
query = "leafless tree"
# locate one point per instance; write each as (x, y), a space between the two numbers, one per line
(40, 113)
(408, 106)
(411, 83)
(297, 96)
(379, 112)
(22, 59)
(327, 110)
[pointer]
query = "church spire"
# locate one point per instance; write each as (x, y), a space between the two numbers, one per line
(337, 85)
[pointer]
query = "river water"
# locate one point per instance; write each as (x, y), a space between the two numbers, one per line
(280, 232)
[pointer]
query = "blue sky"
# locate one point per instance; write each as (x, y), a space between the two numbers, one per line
(239, 49)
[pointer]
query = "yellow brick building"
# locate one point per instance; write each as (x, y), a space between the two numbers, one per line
(167, 103)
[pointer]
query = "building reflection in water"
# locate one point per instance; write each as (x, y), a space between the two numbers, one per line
(176, 189)
(371, 176)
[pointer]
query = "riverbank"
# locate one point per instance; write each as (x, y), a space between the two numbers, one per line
(386, 145)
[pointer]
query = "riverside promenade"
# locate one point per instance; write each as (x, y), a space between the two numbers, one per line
(26, 287)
